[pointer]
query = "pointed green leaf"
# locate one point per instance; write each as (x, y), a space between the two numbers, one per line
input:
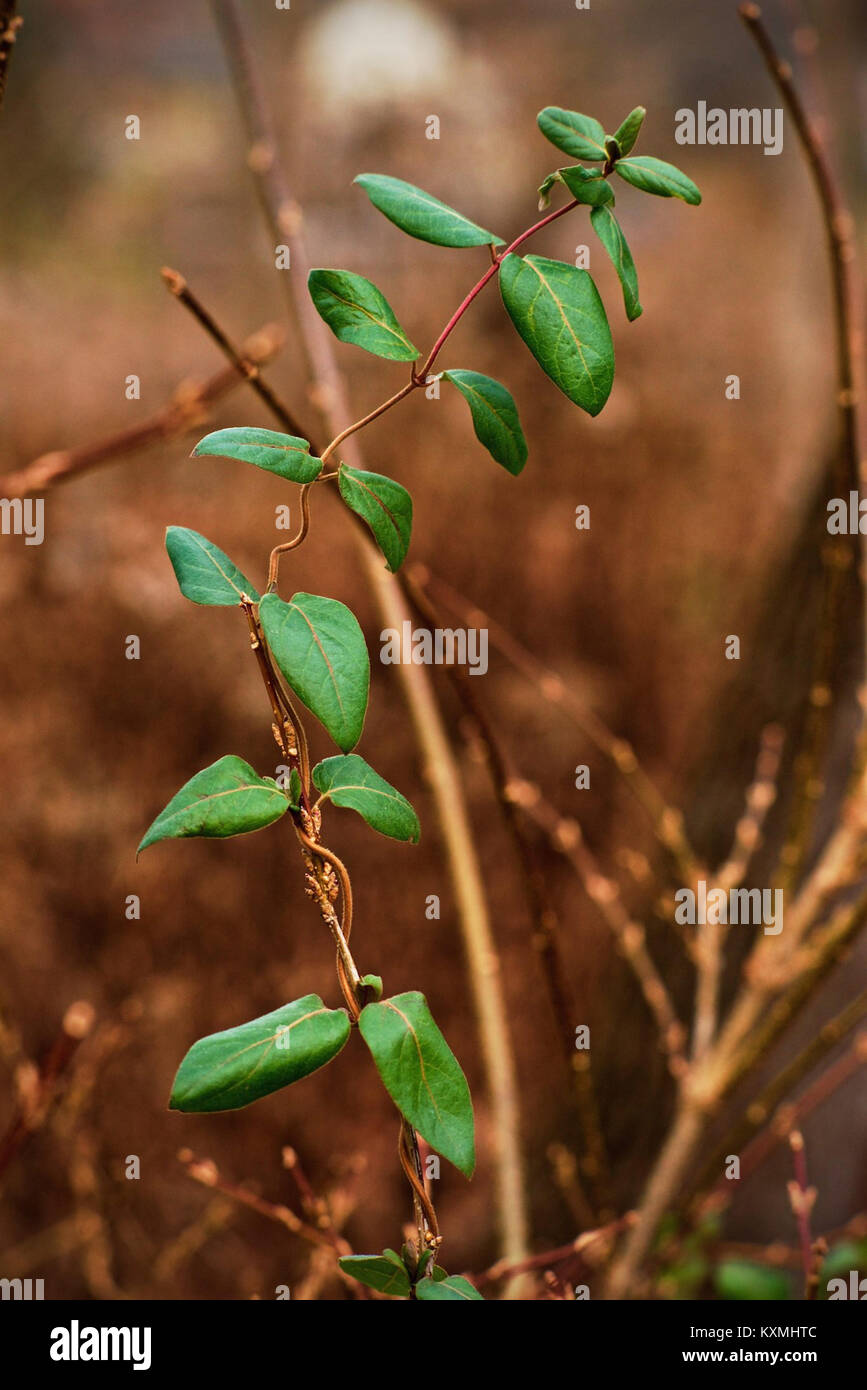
(384, 505)
(320, 649)
(283, 454)
(610, 233)
(453, 1287)
(230, 1069)
(627, 133)
(386, 1272)
(351, 782)
(578, 136)
(557, 311)
(356, 312)
(655, 176)
(495, 417)
(587, 185)
(422, 1075)
(204, 573)
(421, 215)
(545, 189)
(227, 798)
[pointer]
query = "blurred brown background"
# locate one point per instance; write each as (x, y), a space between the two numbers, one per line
(697, 505)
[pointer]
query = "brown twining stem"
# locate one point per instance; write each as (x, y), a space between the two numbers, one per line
(10, 23)
(849, 468)
(274, 562)
(289, 732)
(425, 1215)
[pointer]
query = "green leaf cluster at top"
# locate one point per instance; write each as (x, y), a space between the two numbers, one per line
(554, 306)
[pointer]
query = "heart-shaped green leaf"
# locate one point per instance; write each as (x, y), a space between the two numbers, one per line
(320, 649)
(422, 1075)
(495, 417)
(587, 185)
(227, 798)
(557, 311)
(610, 233)
(283, 454)
(384, 505)
(626, 134)
(386, 1272)
(228, 1070)
(204, 573)
(350, 781)
(578, 136)
(453, 1287)
(356, 312)
(421, 215)
(655, 176)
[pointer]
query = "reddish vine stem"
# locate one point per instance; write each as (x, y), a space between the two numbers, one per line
(419, 378)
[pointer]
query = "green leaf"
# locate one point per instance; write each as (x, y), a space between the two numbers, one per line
(294, 789)
(351, 782)
(557, 311)
(320, 648)
(627, 133)
(453, 1287)
(228, 1070)
(655, 176)
(283, 454)
(227, 798)
(578, 136)
(545, 189)
(422, 1075)
(495, 417)
(373, 984)
(421, 215)
(743, 1281)
(356, 312)
(587, 185)
(610, 233)
(384, 505)
(386, 1272)
(203, 572)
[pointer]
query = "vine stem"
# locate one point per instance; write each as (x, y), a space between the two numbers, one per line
(419, 378)
(285, 221)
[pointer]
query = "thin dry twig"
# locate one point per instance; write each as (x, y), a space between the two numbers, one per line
(566, 837)
(187, 411)
(39, 1086)
(849, 469)
(666, 820)
(10, 23)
